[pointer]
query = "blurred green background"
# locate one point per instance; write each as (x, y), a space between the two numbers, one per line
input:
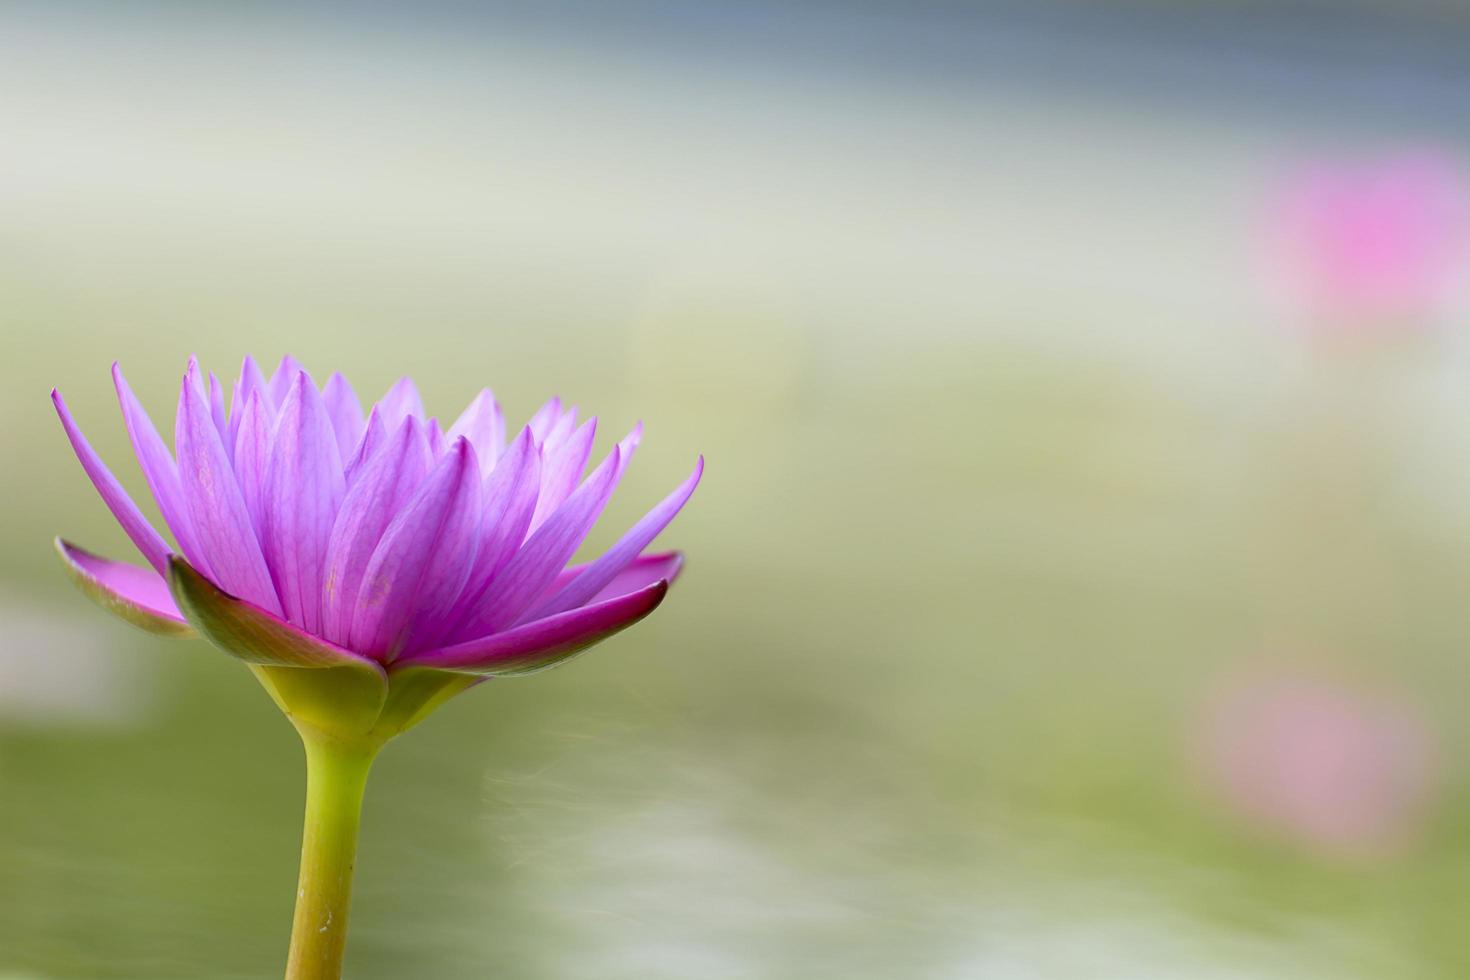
(1016, 468)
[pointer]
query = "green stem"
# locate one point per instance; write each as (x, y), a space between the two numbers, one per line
(336, 775)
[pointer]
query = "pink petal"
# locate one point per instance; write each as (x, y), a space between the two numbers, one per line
(640, 573)
(546, 552)
(280, 383)
(216, 507)
(545, 642)
(250, 380)
(382, 488)
(402, 400)
(509, 494)
(148, 541)
(137, 595)
(484, 426)
(159, 470)
(421, 564)
(303, 490)
(596, 576)
(252, 454)
(544, 419)
(374, 437)
(561, 429)
(345, 412)
(565, 459)
(217, 412)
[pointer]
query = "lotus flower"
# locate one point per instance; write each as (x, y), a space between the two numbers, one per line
(1342, 772)
(1370, 245)
(366, 569)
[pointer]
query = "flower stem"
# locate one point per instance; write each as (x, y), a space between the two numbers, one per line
(336, 774)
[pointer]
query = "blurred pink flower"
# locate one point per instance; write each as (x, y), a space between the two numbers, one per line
(1337, 770)
(1372, 244)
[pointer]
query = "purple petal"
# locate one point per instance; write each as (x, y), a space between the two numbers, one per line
(217, 412)
(374, 437)
(421, 564)
(148, 541)
(250, 380)
(249, 632)
(382, 488)
(303, 490)
(253, 379)
(402, 400)
(252, 455)
(561, 429)
(159, 470)
(280, 383)
(436, 437)
(544, 419)
(641, 572)
(509, 496)
(345, 412)
(596, 576)
(546, 552)
(546, 641)
(484, 426)
(216, 507)
(630, 444)
(137, 595)
(565, 461)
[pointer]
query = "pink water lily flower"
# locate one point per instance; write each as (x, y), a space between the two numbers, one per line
(386, 539)
(1342, 771)
(1374, 244)
(366, 568)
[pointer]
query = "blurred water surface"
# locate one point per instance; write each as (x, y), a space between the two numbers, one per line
(1014, 466)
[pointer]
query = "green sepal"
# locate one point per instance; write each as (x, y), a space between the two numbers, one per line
(246, 631)
(416, 692)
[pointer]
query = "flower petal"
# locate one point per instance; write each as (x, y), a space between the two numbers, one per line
(216, 507)
(401, 401)
(544, 419)
(159, 470)
(425, 556)
(561, 429)
(545, 642)
(253, 454)
(381, 490)
(509, 496)
(640, 573)
(596, 576)
(345, 412)
(217, 412)
(281, 380)
(546, 552)
(484, 426)
(565, 459)
(303, 491)
(148, 541)
(246, 631)
(250, 380)
(134, 594)
(374, 435)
